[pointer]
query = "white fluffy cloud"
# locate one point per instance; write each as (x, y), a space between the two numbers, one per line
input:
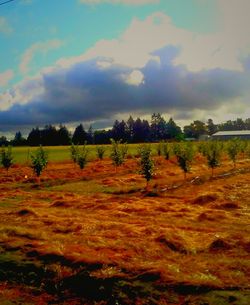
(38, 47)
(126, 2)
(152, 66)
(223, 49)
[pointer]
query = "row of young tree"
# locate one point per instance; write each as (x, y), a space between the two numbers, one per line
(183, 151)
(130, 131)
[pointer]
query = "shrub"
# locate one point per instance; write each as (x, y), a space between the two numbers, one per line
(233, 149)
(212, 151)
(146, 163)
(124, 150)
(100, 150)
(166, 149)
(6, 157)
(201, 147)
(82, 156)
(243, 146)
(116, 153)
(159, 148)
(74, 150)
(184, 153)
(39, 161)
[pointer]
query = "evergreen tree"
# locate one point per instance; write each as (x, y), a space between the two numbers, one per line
(63, 136)
(19, 140)
(130, 128)
(74, 151)
(212, 151)
(3, 141)
(166, 150)
(49, 136)
(141, 131)
(172, 129)
(146, 163)
(34, 137)
(79, 136)
(6, 157)
(116, 153)
(233, 149)
(39, 161)
(90, 135)
(159, 148)
(158, 127)
(119, 131)
(102, 136)
(184, 153)
(100, 150)
(82, 156)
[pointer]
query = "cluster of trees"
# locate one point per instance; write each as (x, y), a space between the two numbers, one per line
(197, 128)
(130, 131)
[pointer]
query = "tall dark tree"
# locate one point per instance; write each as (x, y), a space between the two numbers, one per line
(119, 131)
(188, 131)
(211, 127)
(49, 136)
(195, 129)
(19, 140)
(239, 124)
(146, 131)
(141, 131)
(3, 141)
(102, 136)
(173, 131)
(90, 135)
(34, 137)
(79, 136)
(130, 128)
(63, 136)
(228, 125)
(247, 124)
(158, 127)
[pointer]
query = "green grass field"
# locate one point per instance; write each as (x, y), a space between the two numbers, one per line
(62, 153)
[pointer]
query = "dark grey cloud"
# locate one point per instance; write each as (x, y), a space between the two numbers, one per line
(87, 92)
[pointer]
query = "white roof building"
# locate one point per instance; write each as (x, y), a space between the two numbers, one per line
(242, 134)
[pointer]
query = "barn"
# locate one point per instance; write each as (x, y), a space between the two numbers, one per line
(227, 135)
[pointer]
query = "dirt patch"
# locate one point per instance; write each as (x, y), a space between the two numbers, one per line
(206, 198)
(229, 205)
(61, 203)
(92, 246)
(220, 244)
(26, 212)
(172, 243)
(205, 216)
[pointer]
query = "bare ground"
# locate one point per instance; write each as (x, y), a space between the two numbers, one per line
(97, 237)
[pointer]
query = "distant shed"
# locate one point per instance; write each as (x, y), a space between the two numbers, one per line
(227, 135)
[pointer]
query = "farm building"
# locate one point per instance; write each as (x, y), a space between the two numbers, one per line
(227, 135)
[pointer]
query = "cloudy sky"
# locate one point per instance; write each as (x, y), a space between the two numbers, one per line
(94, 61)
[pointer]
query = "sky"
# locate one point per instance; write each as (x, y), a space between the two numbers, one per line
(94, 61)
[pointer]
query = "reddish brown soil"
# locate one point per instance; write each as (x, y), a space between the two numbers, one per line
(97, 237)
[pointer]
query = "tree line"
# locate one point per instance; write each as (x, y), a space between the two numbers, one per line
(130, 131)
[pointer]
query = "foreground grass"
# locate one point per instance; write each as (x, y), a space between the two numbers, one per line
(96, 237)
